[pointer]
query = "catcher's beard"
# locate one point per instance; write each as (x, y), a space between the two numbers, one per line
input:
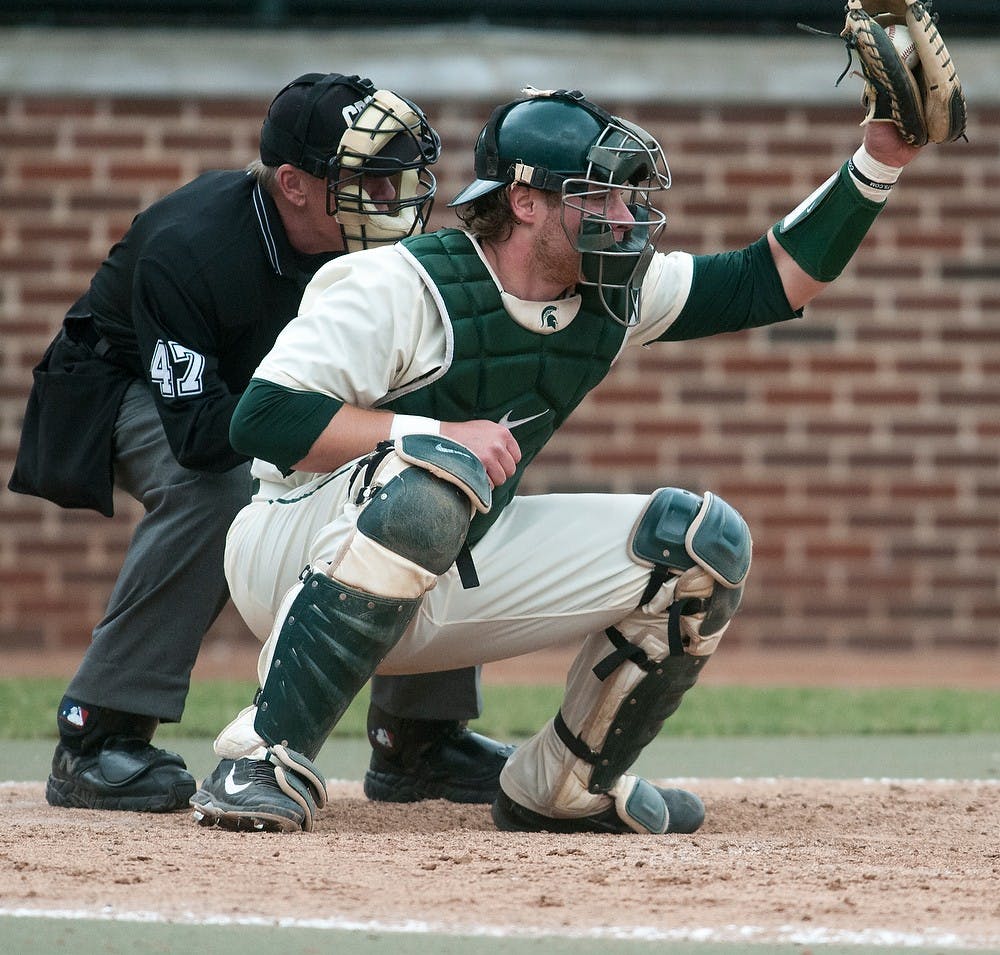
(554, 258)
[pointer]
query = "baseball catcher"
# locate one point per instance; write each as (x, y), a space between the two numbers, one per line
(395, 417)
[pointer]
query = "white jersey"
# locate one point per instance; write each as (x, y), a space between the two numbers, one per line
(346, 346)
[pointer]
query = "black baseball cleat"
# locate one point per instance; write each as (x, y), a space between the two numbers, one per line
(455, 764)
(685, 814)
(243, 795)
(125, 773)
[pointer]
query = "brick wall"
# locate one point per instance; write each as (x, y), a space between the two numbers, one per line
(861, 442)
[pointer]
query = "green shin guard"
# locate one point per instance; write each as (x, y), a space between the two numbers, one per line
(329, 646)
(335, 635)
(638, 720)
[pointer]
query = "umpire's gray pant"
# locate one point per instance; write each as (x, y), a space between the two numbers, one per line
(172, 587)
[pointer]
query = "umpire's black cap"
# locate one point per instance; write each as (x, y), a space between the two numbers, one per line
(308, 118)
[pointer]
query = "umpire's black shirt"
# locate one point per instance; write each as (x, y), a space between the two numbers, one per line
(192, 298)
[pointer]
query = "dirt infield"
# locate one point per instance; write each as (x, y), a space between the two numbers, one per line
(879, 863)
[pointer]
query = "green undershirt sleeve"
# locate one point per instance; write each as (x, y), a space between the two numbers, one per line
(279, 424)
(730, 292)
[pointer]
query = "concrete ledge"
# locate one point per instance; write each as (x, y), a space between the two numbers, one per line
(450, 62)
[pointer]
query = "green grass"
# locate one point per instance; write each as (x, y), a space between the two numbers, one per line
(27, 708)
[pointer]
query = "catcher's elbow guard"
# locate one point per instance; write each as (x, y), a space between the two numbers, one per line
(825, 230)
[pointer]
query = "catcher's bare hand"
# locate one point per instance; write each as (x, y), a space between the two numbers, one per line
(492, 443)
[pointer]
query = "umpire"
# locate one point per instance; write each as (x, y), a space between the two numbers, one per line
(137, 391)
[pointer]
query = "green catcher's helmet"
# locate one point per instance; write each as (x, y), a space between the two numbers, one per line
(559, 141)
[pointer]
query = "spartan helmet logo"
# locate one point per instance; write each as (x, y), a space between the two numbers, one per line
(548, 318)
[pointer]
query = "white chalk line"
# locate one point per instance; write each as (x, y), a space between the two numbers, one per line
(783, 934)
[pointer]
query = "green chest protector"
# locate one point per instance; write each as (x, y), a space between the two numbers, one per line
(496, 369)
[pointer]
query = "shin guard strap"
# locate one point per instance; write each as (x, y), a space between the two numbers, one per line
(572, 742)
(639, 718)
(623, 650)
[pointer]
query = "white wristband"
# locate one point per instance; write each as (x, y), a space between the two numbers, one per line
(412, 424)
(873, 178)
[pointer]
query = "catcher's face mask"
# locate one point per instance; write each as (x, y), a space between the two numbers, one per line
(391, 140)
(612, 219)
(559, 141)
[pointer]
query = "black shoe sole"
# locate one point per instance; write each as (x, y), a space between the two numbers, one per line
(208, 815)
(67, 794)
(509, 816)
(396, 787)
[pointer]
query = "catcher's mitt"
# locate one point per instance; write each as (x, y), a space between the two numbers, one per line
(926, 104)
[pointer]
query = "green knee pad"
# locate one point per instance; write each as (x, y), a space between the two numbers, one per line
(680, 530)
(420, 517)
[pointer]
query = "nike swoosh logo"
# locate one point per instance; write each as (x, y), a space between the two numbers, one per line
(444, 450)
(231, 786)
(507, 422)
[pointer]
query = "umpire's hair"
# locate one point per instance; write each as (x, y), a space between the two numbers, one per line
(491, 218)
(265, 175)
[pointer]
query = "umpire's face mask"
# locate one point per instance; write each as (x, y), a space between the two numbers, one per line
(378, 185)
